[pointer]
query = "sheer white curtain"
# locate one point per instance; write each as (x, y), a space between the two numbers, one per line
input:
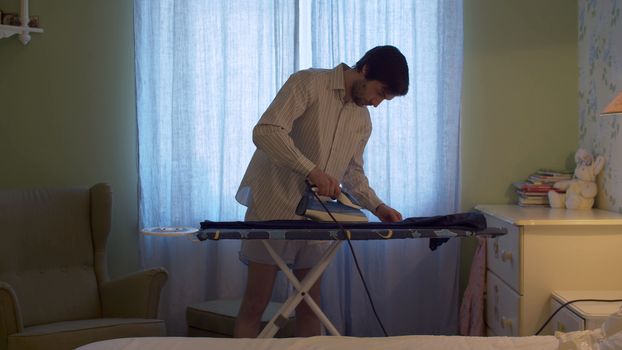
(412, 161)
(206, 71)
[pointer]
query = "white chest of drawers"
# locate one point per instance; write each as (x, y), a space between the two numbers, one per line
(545, 250)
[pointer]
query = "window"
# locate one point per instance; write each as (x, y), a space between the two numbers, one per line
(206, 71)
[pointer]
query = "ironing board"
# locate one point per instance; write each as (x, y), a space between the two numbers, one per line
(437, 228)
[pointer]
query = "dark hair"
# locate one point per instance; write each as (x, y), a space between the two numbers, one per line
(387, 65)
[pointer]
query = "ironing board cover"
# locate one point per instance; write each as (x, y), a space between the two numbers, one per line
(440, 228)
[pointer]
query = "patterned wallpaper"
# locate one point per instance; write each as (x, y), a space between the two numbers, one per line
(600, 77)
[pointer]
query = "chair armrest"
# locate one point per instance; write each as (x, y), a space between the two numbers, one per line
(10, 314)
(134, 296)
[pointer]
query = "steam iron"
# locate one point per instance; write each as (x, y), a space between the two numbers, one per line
(345, 208)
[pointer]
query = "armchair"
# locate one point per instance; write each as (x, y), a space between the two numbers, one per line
(54, 287)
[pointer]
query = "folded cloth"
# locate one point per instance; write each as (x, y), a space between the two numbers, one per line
(472, 307)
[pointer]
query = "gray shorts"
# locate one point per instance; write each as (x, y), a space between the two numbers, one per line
(296, 254)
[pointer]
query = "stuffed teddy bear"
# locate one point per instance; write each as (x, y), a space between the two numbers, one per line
(581, 190)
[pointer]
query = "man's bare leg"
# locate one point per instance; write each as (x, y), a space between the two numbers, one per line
(307, 323)
(259, 284)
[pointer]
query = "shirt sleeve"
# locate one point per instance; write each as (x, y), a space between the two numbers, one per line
(355, 181)
(271, 134)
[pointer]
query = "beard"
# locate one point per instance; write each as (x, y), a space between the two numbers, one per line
(358, 92)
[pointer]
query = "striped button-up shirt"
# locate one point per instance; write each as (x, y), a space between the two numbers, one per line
(307, 125)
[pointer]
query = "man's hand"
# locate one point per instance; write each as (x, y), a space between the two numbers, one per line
(387, 214)
(326, 185)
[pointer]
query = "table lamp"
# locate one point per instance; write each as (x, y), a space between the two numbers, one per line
(614, 107)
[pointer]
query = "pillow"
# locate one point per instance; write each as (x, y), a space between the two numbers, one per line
(607, 337)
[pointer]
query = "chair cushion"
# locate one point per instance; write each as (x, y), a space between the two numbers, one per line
(217, 318)
(71, 334)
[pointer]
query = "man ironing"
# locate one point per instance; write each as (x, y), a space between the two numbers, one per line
(315, 129)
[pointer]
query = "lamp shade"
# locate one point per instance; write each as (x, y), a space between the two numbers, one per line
(615, 106)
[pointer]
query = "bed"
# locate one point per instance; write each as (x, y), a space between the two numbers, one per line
(606, 337)
(419, 342)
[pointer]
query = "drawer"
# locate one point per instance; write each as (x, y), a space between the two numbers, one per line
(502, 307)
(565, 320)
(490, 333)
(503, 253)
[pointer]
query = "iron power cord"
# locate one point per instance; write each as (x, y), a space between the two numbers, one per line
(570, 302)
(358, 268)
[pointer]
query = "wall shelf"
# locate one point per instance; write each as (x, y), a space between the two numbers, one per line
(23, 31)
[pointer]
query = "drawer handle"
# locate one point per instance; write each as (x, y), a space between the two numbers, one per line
(506, 255)
(506, 322)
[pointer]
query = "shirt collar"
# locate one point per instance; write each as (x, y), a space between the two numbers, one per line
(337, 80)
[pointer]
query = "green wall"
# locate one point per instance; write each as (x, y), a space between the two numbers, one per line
(519, 101)
(67, 114)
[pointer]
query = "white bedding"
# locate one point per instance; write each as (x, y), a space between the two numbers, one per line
(419, 342)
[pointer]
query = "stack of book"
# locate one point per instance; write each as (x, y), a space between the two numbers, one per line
(534, 191)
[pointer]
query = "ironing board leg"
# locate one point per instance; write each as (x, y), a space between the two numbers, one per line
(302, 288)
